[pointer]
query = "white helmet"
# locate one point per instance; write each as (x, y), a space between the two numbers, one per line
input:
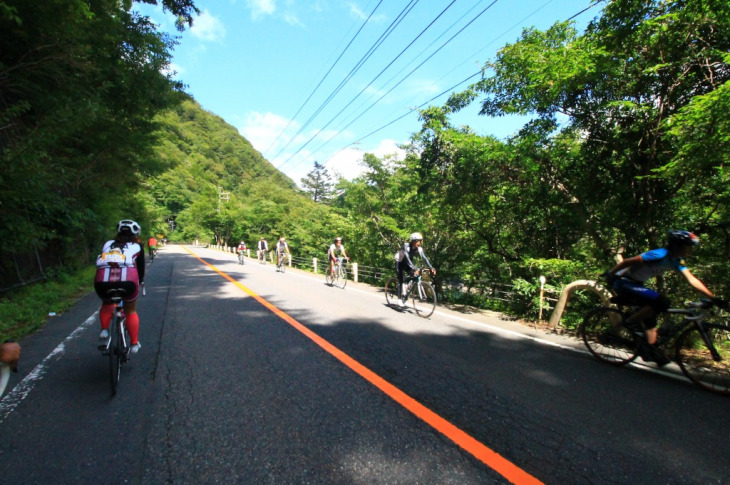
(416, 236)
(129, 226)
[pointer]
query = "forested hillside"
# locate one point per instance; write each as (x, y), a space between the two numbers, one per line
(219, 189)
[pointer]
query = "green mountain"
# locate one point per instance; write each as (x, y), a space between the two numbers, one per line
(217, 188)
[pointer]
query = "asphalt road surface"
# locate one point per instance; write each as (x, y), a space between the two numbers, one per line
(247, 375)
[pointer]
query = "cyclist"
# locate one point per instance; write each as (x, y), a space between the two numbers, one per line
(336, 246)
(263, 248)
(404, 262)
(241, 248)
(628, 278)
(281, 248)
(121, 264)
(152, 246)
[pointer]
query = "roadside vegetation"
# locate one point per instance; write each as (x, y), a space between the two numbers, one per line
(628, 137)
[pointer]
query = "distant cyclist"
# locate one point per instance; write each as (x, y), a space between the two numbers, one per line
(121, 265)
(281, 248)
(628, 278)
(241, 247)
(263, 248)
(404, 261)
(334, 247)
(152, 246)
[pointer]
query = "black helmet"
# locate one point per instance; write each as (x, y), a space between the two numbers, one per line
(682, 237)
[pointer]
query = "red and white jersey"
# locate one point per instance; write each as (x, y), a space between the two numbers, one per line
(114, 256)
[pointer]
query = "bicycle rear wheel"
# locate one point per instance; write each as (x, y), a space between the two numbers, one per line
(341, 280)
(391, 291)
(115, 353)
(697, 362)
(604, 334)
(424, 299)
(328, 277)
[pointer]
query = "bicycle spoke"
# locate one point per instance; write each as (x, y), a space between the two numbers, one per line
(423, 298)
(606, 337)
(697, 361)
(341, 277)
(391, 291)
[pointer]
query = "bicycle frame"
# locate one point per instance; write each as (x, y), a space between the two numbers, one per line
(414, 282)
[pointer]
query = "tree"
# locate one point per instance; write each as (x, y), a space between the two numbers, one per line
(318, 184)
(612, 93)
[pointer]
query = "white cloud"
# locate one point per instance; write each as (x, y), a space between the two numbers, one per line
(261, 8)
(356, 12)
(292, 19)
(264, 130)
(207, 27)
(348, 162)
(270, 133)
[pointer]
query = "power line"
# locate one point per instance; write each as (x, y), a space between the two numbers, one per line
(406, 10)
(376, 77)
(437, 96)
(453, 87)
(326, 74)
(399, 82)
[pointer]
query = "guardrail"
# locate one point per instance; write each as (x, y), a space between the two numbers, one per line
(503, 292)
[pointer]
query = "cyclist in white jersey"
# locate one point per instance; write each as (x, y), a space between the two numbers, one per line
(334, 247)
(281, 248)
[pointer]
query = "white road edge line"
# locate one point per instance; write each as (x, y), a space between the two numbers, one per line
(13, 398)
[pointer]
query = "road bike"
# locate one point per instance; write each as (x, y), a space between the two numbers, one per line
(340, 277)
(240, 257)
(421, 293)
(117, 346)
(700, 348)
(262, 256)
(152, 254)
(281, 262)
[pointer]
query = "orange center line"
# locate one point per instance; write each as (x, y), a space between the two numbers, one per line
(492, 459)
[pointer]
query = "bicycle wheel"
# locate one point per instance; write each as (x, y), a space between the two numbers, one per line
(115, 352)
(607, 338)
(341, 280)
(391, 291)
(423, 298)
(328, 277)
(240, 258)
(697, 362)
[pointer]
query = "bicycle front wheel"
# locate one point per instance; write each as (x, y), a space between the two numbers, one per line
(696, 359)
(604, 334)
(341, 277)
(391, 291)
(115, 353)
(424, 299)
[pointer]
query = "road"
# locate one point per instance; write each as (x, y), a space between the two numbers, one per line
(247, 375)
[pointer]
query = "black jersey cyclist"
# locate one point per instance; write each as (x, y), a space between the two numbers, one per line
(404, 261)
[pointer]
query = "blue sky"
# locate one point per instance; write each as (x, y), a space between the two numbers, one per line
(255, 63)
